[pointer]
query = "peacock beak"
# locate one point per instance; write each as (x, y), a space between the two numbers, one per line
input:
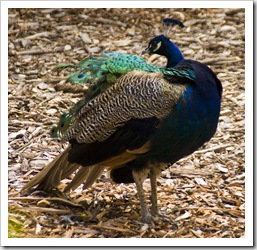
(147, 50)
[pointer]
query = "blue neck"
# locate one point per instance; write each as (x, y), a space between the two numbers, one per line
(173, 54)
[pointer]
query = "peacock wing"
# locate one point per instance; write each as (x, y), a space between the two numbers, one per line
(122, 119)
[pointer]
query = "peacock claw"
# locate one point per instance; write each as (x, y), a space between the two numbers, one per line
(160, 217)
(153, 219)
(150, 222)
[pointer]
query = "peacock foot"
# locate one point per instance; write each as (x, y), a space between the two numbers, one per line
(153, 219)
(146, 218)
(160, 217)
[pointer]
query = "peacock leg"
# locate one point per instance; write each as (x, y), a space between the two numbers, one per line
(154, 208)
(146, 216)
(154, 172)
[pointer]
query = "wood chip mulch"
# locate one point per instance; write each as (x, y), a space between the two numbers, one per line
(203, 194)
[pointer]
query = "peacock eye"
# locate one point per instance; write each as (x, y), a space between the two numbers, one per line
(158, 45)
(80, 76)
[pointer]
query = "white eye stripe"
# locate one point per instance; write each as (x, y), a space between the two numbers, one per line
(159, 44)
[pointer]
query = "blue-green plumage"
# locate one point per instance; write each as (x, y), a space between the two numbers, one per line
(191, 123)
(194, 120)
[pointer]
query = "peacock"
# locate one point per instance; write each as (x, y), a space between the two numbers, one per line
(133, 120)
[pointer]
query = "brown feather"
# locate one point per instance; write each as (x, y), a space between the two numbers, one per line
(79, 178)
(60, 168)
(94, 174)
(43, 175)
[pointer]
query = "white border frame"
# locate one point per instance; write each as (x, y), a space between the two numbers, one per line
(247, 241)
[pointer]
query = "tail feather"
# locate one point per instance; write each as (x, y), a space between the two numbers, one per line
(79, 178)
(44, 174)
(53, 173)
(87, 175)
(59, 169)
(60, 67)
(93, 175)
(72, 167)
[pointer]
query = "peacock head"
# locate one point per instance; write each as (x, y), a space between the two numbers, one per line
(158, 45)
(162, 45)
